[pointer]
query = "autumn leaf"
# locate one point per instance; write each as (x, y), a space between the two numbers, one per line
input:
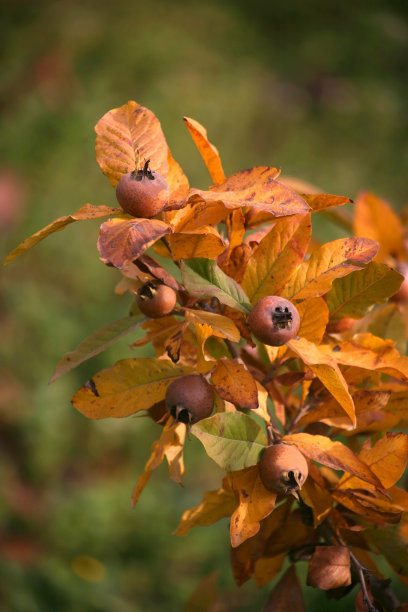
(333, 454)
(221, 326)
(318, 499)
(85, 212)
(215, 506)
(235, 384)
(256, 188)
(374, 218)
(387, 459)
(323, 201)
(195, 216)
(203, 278)
(202, 242)
(329, 567)
(276, 257)
(203, 332)
(96, 343)
(127, 136)
(208, 151)
(371, 508)
(392, 546)
(332, 260)
(328, 372)
(287, 594)
(314, 316)
(255, 503)
(127, 387)
(204, 595)
(387, 322)
(146, 263)
(176, 180)
(352, 295)
(122, 241)
(231, 439)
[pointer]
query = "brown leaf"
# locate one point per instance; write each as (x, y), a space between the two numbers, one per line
(121, 240)
(85, 212)
(208, 151)
(287, 594)
(148, 264)
(377, 510)
(127, 136)
(329, 568)
(235, 384)
(215, 506)
(255, 188)
(266, 568)
(333, 454)
(374, 218)
(279, 253)
(255, 503)
(332, 260)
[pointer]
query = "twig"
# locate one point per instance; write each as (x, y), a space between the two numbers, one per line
(232, 349)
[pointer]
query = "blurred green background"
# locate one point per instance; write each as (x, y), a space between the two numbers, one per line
(319, 89)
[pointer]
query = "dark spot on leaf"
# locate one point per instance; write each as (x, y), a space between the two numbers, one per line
(336, 348)
(91, 385)
(244, 493)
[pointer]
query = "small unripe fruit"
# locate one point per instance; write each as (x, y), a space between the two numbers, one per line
(283, 468)
(190, 399)
(156, 300)
(274, 320)
(143, 193)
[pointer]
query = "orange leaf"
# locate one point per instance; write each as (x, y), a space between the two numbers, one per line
(194, 216)
(215, 506)
(333, 454)
(208, 151)
(121, 240)
(279, 253)
(332, 260)
(267, 568)
(255, 188)
(202, 242)
(387, 460)
(318, 499)
(255, 503)
(126, 136)
(322, 201)
(176, 180)
(287, 594)
(329, 567)
(314, 316)
(85, 212)
(328, 372)
(203, 331)
(235, 384)
(373, 509)
(375, 219)
(221, 326)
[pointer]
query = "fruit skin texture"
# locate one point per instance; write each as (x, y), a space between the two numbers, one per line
(283, 468)
(190, 399)
(156, 300)
(143, 193)
(274, 320)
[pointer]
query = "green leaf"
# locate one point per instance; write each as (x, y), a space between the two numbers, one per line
(231, 439)
(351, 295)
(393, 546)
(203, 278)
(388, 322)
(96, 343)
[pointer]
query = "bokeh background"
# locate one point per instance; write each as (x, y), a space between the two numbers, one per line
(317, 88)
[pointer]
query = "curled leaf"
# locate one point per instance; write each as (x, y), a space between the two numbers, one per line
(208, 151)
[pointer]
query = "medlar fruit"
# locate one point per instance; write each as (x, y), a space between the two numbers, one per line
(156, 300)
(143, 193)
(274, 320)
(283, 468)
(190, 399)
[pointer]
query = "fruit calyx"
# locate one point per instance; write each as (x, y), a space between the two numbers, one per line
(144, 172)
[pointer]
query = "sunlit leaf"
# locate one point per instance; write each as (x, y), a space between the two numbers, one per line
(86, 212)
(203, 278)
(323, 201)
(194, 216)
(176, 180)
(374, 218)
(235, 384)
(223, 327)
(333, 454)
(276, 257)
(255, 503)
(122, 240)
(350, 296)
(202, 242)
(231, 439)
(96, 343)
(314, 316)
(332, 260)
(127, 387)
(208, 151)
(126, 137)
(256, 188)
(328, 372)
(215, 506)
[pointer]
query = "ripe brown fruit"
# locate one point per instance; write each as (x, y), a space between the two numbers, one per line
(190, 399)
(274, 320)
(143, 193)
(283, 468)
(341, 326)
(156, 300)
(402, 294)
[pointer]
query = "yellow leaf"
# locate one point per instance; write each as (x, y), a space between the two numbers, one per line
(235, 384)
(255, 503)
(314, 316)
(208, 151)
(277, 255)
(374, 218)
(221, 326)
(317, 498)
(335, 259)
(127, 387)
(215, 506)
(203, 331)
(323, 201)
(328, 372)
